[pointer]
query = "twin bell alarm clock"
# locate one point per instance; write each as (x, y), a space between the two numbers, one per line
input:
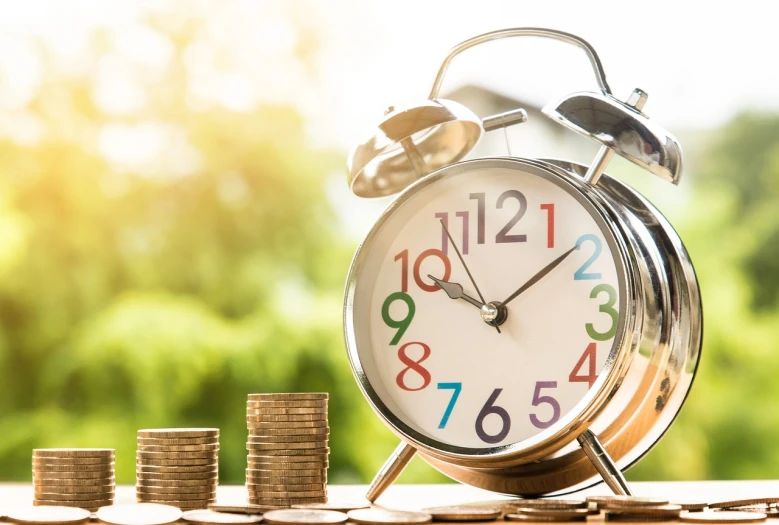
(525, 326)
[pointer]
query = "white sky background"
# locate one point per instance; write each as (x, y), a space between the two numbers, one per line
(701, 62)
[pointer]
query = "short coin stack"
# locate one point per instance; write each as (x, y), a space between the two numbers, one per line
(74, 477)
(177, 466)
(287, 461)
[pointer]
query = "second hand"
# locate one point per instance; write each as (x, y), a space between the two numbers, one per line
(457, 250)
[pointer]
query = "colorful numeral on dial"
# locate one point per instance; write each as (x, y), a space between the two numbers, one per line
(581, 274)
(403, 258)
(456, 389)
(401, 324)
(415, 366)
(606, 308)
(491, 408)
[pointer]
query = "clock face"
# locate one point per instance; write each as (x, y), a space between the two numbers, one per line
(434, 363)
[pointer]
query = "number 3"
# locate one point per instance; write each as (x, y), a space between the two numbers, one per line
(606, 308)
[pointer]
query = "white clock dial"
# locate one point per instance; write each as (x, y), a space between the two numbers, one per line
(432, 360)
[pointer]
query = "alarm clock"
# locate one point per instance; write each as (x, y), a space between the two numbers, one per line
(525, 326)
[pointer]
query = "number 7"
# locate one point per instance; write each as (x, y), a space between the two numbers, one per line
(457, 387)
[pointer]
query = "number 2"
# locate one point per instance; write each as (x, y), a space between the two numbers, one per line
(581, 274)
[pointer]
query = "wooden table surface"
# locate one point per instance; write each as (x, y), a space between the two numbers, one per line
(415, 497)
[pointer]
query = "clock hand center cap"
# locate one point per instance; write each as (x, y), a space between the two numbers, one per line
(494, 313)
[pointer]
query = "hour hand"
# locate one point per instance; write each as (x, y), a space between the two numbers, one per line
(455, 291)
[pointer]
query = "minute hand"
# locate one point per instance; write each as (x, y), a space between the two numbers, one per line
(540, 275)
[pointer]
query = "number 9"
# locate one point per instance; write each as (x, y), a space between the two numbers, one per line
(401, 324)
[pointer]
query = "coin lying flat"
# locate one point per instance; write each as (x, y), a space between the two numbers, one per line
(295, 516)
(84, 504)
(262, 426)
(213, 462)
(691, 505)
(464, 513)
(625, 501)
(205, 447)
(175, 489)
(74, 489)
(73, 452)
(298, 430)
(159, 433)
(241, 509)
(287, 396)
(255, 444)
(282, 502)
(208, 517)
(321, 487)
(177, 482)
(72, 475)
(139, 514)
(308, 480)
(709, 516)
(55, 515)
(376, 515)
(302, 403)
(547, 503)
(640, 513)
(339, 505)
(769, 510)
(547, 514)
(743, 503)
(177, 441)
(257, 439)
(176, 469)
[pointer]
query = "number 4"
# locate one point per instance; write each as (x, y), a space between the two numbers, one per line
(589, 356)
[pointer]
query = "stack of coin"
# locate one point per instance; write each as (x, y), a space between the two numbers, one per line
(74, 477)
(178, 466)
(287, 460)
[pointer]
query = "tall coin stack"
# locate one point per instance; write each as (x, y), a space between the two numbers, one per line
(74, 477)
(177, 466)
(287, 460)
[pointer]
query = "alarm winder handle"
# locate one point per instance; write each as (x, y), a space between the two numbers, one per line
(603, 463)
(390, 471)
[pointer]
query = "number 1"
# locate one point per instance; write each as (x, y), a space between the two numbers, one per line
(549, 224)
(457, 388)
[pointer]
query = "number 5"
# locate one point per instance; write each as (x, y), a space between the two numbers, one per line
(538, 399)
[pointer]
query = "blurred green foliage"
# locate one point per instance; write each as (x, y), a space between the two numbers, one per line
(132, 300)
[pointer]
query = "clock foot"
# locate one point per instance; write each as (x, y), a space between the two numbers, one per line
(603, 463)
(390, 470)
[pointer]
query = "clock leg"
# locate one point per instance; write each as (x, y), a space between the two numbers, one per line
(390, 470)
(603, 463)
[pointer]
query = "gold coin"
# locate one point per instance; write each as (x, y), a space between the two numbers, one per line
(638, 513)
(171, 469)
(298, 494)
(625, 501)
(546, 504)
(376, 515)
(287, 418)
(259, 499)
(281, 411)
(71, 475)
(175, 496)
(167, 433)
(302, 480)
(258, 445)
(72, 461)
(108, 467)
(74, 496)
(206, 447)
(464, 513)
(176, 482)
(296, 456)
(266, 439)
(536, 519)
(282, 473)
(139, 514)
(202, 491)
(73, 452)
(297, 396)
(92, 503)
(710, 516)
(240, 509)
(53, 515)
(176, 441)
(339, 505)
(322, 487)
(733, 504)
(299, 403)
(209, 517)
(296, 516)
(193, 462)
(194, 477)
(172, 454)
(181, 504)
(270, 465)
(691, 505)
(74, 489)
(261, 430)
